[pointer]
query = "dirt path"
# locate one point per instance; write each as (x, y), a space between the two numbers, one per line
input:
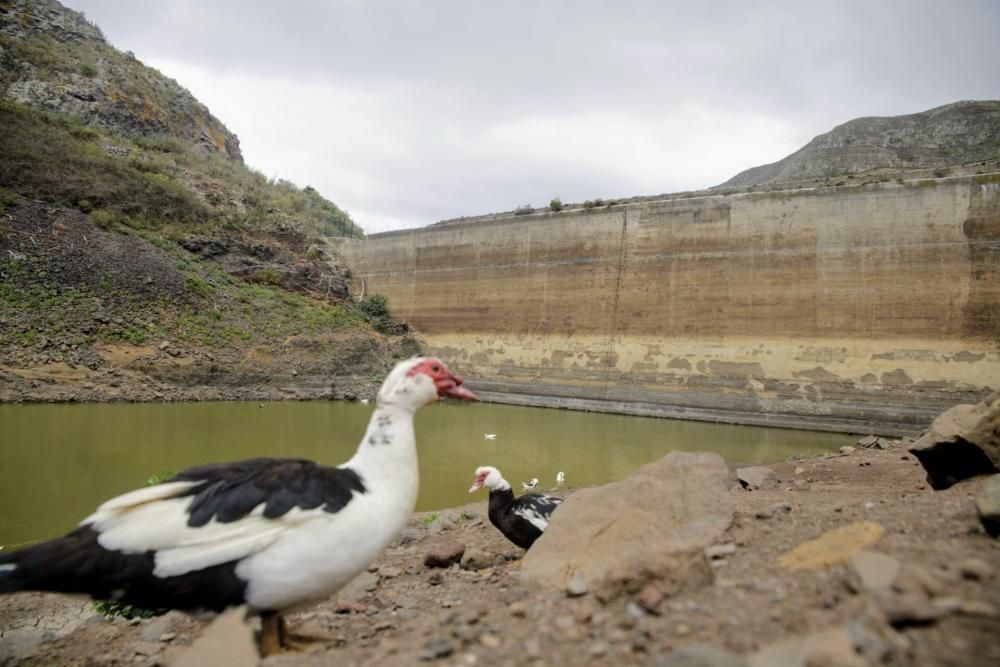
(402, 613)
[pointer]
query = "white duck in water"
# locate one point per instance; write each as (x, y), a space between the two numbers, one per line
(530, 485)
(522, 519)
(489, 436)
(273, 534)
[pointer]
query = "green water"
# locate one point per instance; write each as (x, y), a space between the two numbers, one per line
(58, 462)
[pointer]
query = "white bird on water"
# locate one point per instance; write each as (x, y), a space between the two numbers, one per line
(528, 486)
(489, 436)
(560, 477)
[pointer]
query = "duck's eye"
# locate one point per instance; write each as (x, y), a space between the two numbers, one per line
(436, 368)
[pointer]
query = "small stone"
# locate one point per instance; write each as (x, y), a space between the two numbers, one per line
(437, 648)
(598, 649)
(988, 505)
(577, 585)
(583, 612)
(476, 559)
(445, 554)
(350, 607)
(909, 609)
(847, 449)
(979, 608)
(682, 630)
(650, 598)
(975, 569)
(159, 626)
(634, 611)
(717, 551)
(490, 641)
(390, 572)
(518, 609)
(915, 578)
(871, 572)
(565, 623)
(799, 470)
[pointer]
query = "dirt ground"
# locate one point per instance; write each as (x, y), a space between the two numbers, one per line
(402, 613)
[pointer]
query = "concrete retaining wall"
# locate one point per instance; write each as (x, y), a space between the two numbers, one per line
(865, 308)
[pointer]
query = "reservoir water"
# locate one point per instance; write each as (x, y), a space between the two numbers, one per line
(58, 462)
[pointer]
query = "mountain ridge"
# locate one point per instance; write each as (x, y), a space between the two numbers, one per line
(945, 136)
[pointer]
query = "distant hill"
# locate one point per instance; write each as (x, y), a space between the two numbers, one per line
(946, 136)
(140, 258)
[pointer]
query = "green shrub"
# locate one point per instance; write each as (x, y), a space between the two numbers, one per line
(375, 305)
(7, 198)
(524, 210)
(555, 205)
(103, 218)
(88, 70)
(268, 276)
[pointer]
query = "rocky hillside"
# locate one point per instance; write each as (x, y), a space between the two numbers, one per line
(951, 135)
(140, 258)
(53, 59)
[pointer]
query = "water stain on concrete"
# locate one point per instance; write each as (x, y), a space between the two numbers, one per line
(818, 374)
(896, 377)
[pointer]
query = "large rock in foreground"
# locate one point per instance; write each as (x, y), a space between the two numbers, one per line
(651, 526)
(962, 442)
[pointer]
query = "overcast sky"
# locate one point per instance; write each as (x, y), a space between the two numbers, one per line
(409, 112)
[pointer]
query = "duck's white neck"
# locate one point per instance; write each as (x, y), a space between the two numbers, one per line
(502, 485)
(386, 459)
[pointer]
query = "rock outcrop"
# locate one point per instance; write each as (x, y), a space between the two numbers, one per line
(651, 526)
(962, 442)
(947, 135)
(53, 59)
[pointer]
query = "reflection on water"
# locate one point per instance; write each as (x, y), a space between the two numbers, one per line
(58, 462)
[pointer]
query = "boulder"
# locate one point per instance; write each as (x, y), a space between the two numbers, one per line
(652, 526)
(757, 477)
(962, 442)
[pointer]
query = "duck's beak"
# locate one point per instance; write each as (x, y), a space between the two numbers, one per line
(451, 386)
(475, 487)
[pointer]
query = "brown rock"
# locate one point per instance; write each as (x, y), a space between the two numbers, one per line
(228, 640)
(872, 572)
(651, 526)
(650, 598)
(476, 559)
(961, 443)
(757, 477)
(444, 554)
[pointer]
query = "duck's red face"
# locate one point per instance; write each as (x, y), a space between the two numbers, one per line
(446, 383)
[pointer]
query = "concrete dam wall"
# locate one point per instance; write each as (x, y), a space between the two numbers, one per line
(860, 308)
